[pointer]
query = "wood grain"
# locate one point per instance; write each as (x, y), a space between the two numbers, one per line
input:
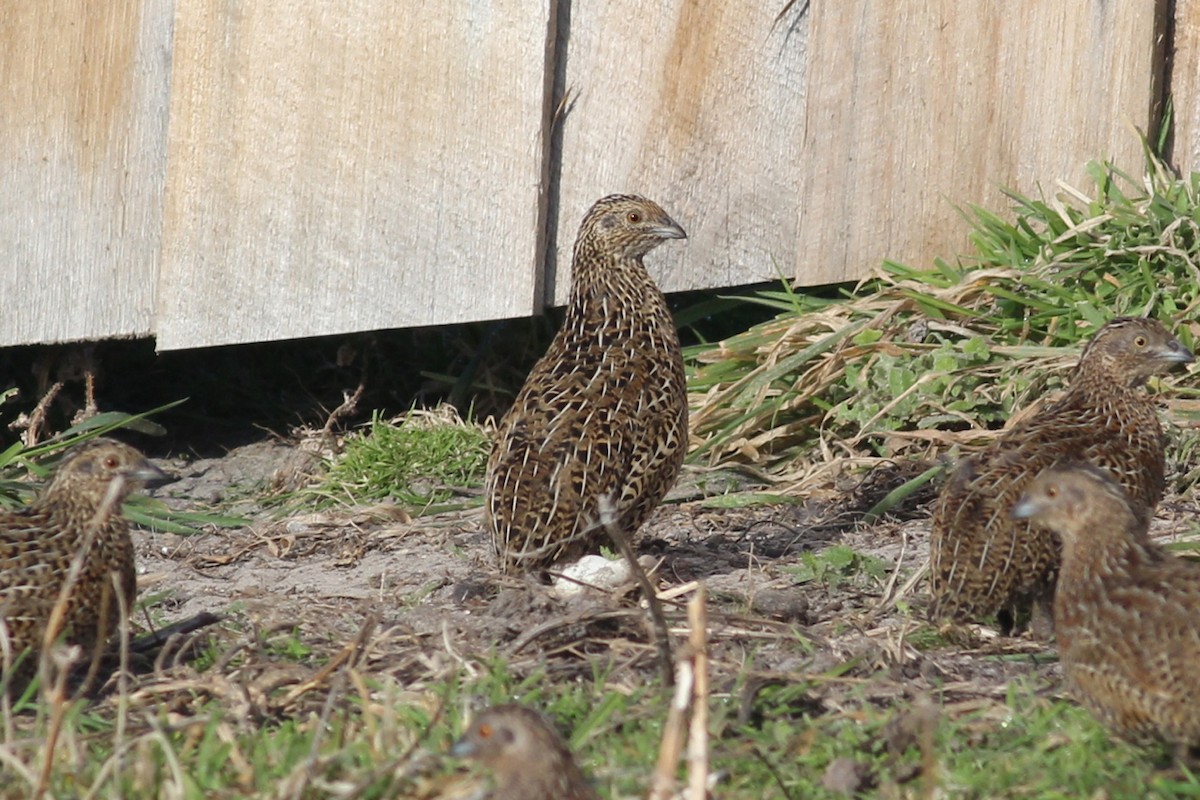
(918, 106)
(1184, 83)
(696, 104)
(347, 167)
(82, 152)
(343, 167)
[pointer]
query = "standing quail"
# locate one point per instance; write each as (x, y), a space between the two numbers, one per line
(982, 562)
(529, 759)
(78, 515)
(604, 412)
(1126, 612)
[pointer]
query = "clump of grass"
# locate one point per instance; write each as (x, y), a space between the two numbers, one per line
(420, 460)
(913, 360)
(834, 565)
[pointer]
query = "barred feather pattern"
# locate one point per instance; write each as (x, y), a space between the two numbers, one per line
(982, 562)
(604, 412)
(77, 515)
(1126, 612)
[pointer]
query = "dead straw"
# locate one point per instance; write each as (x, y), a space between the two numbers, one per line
(691, 694)
(662, 635)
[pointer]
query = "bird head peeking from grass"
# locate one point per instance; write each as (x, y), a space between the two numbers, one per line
(1128, 350)
(96, 478)
(528, 757)
(60, 556)
(626, 227)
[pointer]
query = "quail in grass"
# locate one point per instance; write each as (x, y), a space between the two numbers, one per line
(525, 753)
(983, 562)
(1126, 612)
(604, 412)
(76, 517)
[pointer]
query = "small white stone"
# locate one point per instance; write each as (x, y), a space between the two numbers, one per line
(593, 570)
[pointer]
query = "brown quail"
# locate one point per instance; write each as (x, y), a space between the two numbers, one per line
(982, 562)
(529, 759)
(1126, 612)
(77, 515)
(604, 412)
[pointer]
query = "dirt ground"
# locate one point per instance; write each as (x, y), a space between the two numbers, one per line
(426, 594)
(430, 583)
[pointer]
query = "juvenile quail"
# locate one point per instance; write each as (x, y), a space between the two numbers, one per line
(77, 516)
(1126, 612)
(525, 753)
(984, 563)
(604, 412)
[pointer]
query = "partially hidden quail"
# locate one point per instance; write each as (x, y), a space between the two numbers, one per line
(1126, 612)
(77, 516)
(526, 755)
(604, 412)
(982, 562)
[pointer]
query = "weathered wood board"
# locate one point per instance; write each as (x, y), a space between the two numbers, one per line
(352, 166)
(82, 149)
(343, 167)
(1184, 84)
(698, 105)
(916, 106)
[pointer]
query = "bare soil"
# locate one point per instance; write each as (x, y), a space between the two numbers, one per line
(432, 582)
(420, 598)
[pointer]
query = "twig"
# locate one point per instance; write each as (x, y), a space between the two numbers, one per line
(58, 711)
(565, 104)
(57, 621)
(349, 402)
(662, 634)
(347, 658)
(691, 692)
(37, 417)
(574, 618)
(162, 636)
(120, 737)
(698, 732)
(314, 750)
(87, 356)
(662, 785)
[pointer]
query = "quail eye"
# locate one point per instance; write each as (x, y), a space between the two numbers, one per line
(1140, 341)
(634, 217)
(1052, 491)
(110, 462)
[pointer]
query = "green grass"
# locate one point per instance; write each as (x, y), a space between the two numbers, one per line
(915, 359)
(19, 463)
(420, 461)
(834, 565)
(391, 742)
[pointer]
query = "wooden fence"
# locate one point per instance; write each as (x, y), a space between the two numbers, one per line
(209, 172)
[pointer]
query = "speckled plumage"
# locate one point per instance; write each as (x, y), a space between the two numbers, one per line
(81, 507)
(1126, 612)
(605, 409)
(529, 759)
(982, 562)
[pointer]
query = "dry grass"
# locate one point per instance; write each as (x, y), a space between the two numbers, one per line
(913, 363)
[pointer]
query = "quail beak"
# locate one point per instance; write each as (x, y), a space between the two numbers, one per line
(669, 229)
(463, 748)
(1176, 353)
(148, 475)
(1025, 508)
